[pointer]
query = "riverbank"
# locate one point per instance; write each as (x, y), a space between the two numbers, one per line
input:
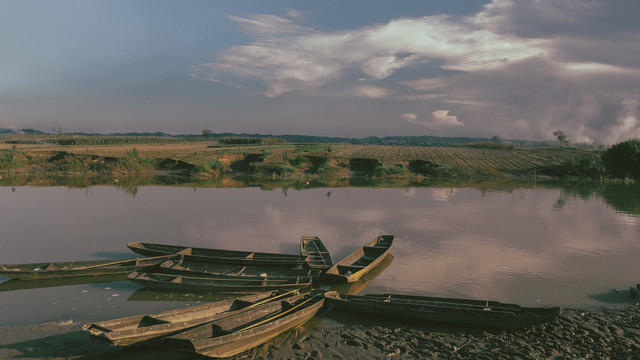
(208, 159)
(576, 334)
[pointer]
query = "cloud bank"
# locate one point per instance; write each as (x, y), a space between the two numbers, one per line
(517, 68)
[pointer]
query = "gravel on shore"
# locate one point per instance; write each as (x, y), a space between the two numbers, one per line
(576, 334)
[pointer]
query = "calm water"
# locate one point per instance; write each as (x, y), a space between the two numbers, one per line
(559, 244)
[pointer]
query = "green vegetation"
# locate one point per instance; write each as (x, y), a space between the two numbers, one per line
(273, 169)
(91, 140)
(212, 166)
(623, 159)
(40, 154)
(12, 158)
(561, 137)
(250, 141)
(581, 165)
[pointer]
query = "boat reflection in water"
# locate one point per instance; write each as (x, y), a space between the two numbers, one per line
(354, 288)
(15, 284)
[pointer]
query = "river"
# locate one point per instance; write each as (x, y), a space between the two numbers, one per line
(535, 244)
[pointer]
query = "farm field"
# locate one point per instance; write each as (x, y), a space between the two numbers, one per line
(339, 159)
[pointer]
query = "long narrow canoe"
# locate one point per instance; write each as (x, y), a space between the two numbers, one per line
(234, 334)
(191, 266)
(444, 310)
(184, 283)
(143, 328)
(361, 261)
(53, 270)
(220, 256)
(319, 257)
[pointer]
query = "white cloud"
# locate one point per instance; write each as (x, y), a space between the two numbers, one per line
(520, 68)
(442, 118)
(410, 116)
(627, 125)
(439, 118)
(287, 56)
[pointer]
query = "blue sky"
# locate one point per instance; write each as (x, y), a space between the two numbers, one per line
(512, 68)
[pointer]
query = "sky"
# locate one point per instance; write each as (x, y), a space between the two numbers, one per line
(518, 69)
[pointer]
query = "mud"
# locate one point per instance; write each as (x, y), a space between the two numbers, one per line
(576, 334)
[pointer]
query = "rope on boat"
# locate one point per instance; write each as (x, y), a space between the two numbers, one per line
(278, 315)
(272, 298)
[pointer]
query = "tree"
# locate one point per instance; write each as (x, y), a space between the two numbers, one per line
(496, 139)
(206, 133)
(562, 137)
(622, 160)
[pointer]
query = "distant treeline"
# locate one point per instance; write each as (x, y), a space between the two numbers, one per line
(93, 140)
(251, 141)
(424, 140)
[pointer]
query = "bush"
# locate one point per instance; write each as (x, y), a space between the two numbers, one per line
(397, 169)
(132, 162)
(581, 165)
(209, 167)
(623, 159)
(271, 168)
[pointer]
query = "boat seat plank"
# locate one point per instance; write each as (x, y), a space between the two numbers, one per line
(352, 268)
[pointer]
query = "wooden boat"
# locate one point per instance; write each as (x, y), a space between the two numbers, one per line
(361, 261)
(444, 310)
(185, 283)
(354, 288)
(319, 257)
(17, 284)
(220, 256)
(53, 270)
(192, 266)
(138, 328)
(237, 333)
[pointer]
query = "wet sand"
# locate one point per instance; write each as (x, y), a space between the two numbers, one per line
(576, 334)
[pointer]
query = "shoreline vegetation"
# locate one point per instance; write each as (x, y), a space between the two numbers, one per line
(270, 157)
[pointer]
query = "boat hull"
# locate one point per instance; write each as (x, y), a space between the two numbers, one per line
(217, 340)
(361, 261)
(319, 256)
(56, 270)
(144, 328)
(220, 256)
(445, 310)
(208, 284)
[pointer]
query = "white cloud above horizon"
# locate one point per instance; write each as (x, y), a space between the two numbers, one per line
(438, 118)
(518, 69)
(503, 75)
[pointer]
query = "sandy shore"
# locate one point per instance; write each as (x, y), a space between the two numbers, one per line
(576, 334)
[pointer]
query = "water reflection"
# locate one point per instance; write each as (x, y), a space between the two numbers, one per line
(498, 239)
(623, 197)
